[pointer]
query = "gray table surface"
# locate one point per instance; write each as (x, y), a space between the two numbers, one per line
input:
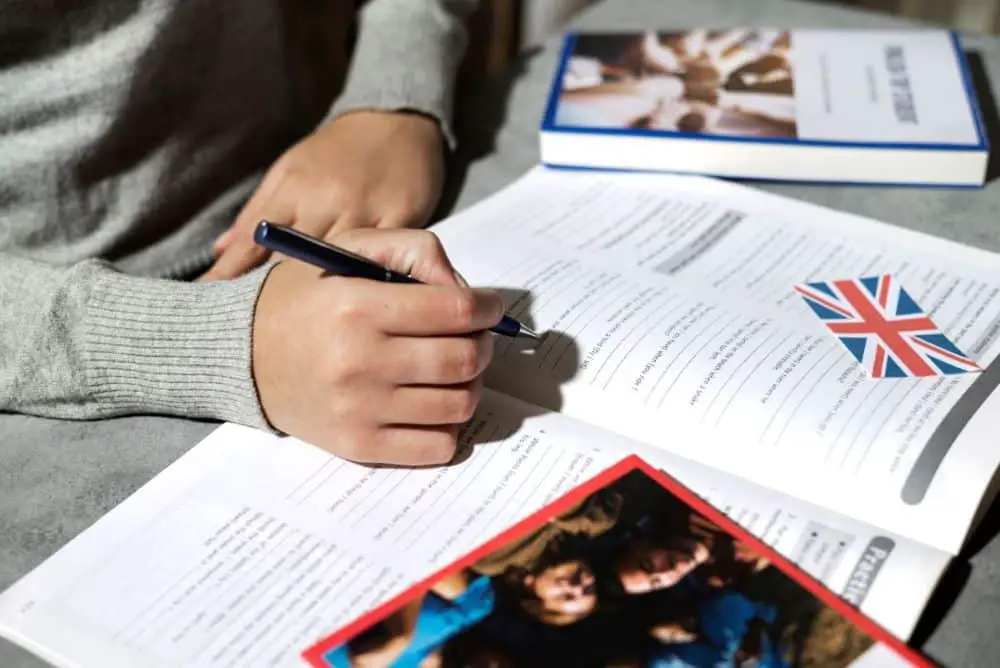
(56, 478)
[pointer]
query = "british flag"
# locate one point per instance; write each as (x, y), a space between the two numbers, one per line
(884, 328)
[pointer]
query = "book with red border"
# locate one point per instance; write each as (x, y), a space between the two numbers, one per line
(573, 505)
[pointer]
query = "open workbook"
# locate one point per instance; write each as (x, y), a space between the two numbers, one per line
(672, 330)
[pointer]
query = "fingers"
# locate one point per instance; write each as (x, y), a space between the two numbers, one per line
(438, 360)
(400, 446)
(433, 406)
(245, 218)
(223, 241)
(418, 254)
(239, 253)
(416, 310)
(240, 256)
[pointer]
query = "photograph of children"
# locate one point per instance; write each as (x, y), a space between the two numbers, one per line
(729, 82)
(630, 577)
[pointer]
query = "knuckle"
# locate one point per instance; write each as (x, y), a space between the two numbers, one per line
(349, 307)
(440, 448)
(284, 172)
(335, 193)
(345, 364)
(486, 346)
(344, 409)
(407, 203)
(464, 307)
(335, 197)
(429, 243)
(496, 307)
(354, 446)
(465, 360)
(466, 402)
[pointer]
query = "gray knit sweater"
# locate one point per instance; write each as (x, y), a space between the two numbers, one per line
(131, 132)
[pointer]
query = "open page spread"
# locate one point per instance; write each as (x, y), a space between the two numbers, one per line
(670, 316)
(253, 546)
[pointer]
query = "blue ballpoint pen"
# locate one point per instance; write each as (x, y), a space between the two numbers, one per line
(288, 241)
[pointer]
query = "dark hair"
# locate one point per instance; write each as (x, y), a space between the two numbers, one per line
(371, 638)
(559, 551)
(665, 541)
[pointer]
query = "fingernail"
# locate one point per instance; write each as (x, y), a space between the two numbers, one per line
(461, 280)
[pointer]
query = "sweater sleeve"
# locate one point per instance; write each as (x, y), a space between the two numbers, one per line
(88, 341)
(407, 57)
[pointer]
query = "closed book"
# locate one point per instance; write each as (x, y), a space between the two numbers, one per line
(821, 106)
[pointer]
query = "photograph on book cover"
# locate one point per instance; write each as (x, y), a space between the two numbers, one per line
(900, 89)
(628, 570)
(732, 82)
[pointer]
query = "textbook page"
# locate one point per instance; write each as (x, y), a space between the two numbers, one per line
(251, 547)
(669, 315)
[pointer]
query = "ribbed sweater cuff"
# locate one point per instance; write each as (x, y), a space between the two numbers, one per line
(406, 58)
(174, 348)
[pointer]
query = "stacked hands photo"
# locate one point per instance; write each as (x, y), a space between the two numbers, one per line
(732, 83)
(630, 577)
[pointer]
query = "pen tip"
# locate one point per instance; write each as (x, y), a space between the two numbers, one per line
(529, 334)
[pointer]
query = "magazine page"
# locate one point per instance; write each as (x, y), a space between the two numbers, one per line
(629, 569)
(670, 314)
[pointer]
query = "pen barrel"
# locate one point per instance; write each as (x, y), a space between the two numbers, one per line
(394, 277)
(507, 327)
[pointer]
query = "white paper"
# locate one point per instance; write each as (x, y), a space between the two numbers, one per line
(888, 577)
(884, 86)
(250, 548)
(673, 319)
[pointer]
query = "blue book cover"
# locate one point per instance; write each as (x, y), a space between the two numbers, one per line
(870, 106)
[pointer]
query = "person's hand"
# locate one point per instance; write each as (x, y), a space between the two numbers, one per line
(374, 372)
(363, 169)
(749, 555)
(672, 633)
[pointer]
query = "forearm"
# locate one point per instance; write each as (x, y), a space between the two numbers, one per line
(87, 342)
(407, 56)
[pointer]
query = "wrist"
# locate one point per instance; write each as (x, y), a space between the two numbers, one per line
(395, 119)
(173, 348)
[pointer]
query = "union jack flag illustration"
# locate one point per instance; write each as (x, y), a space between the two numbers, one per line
(884, 328)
